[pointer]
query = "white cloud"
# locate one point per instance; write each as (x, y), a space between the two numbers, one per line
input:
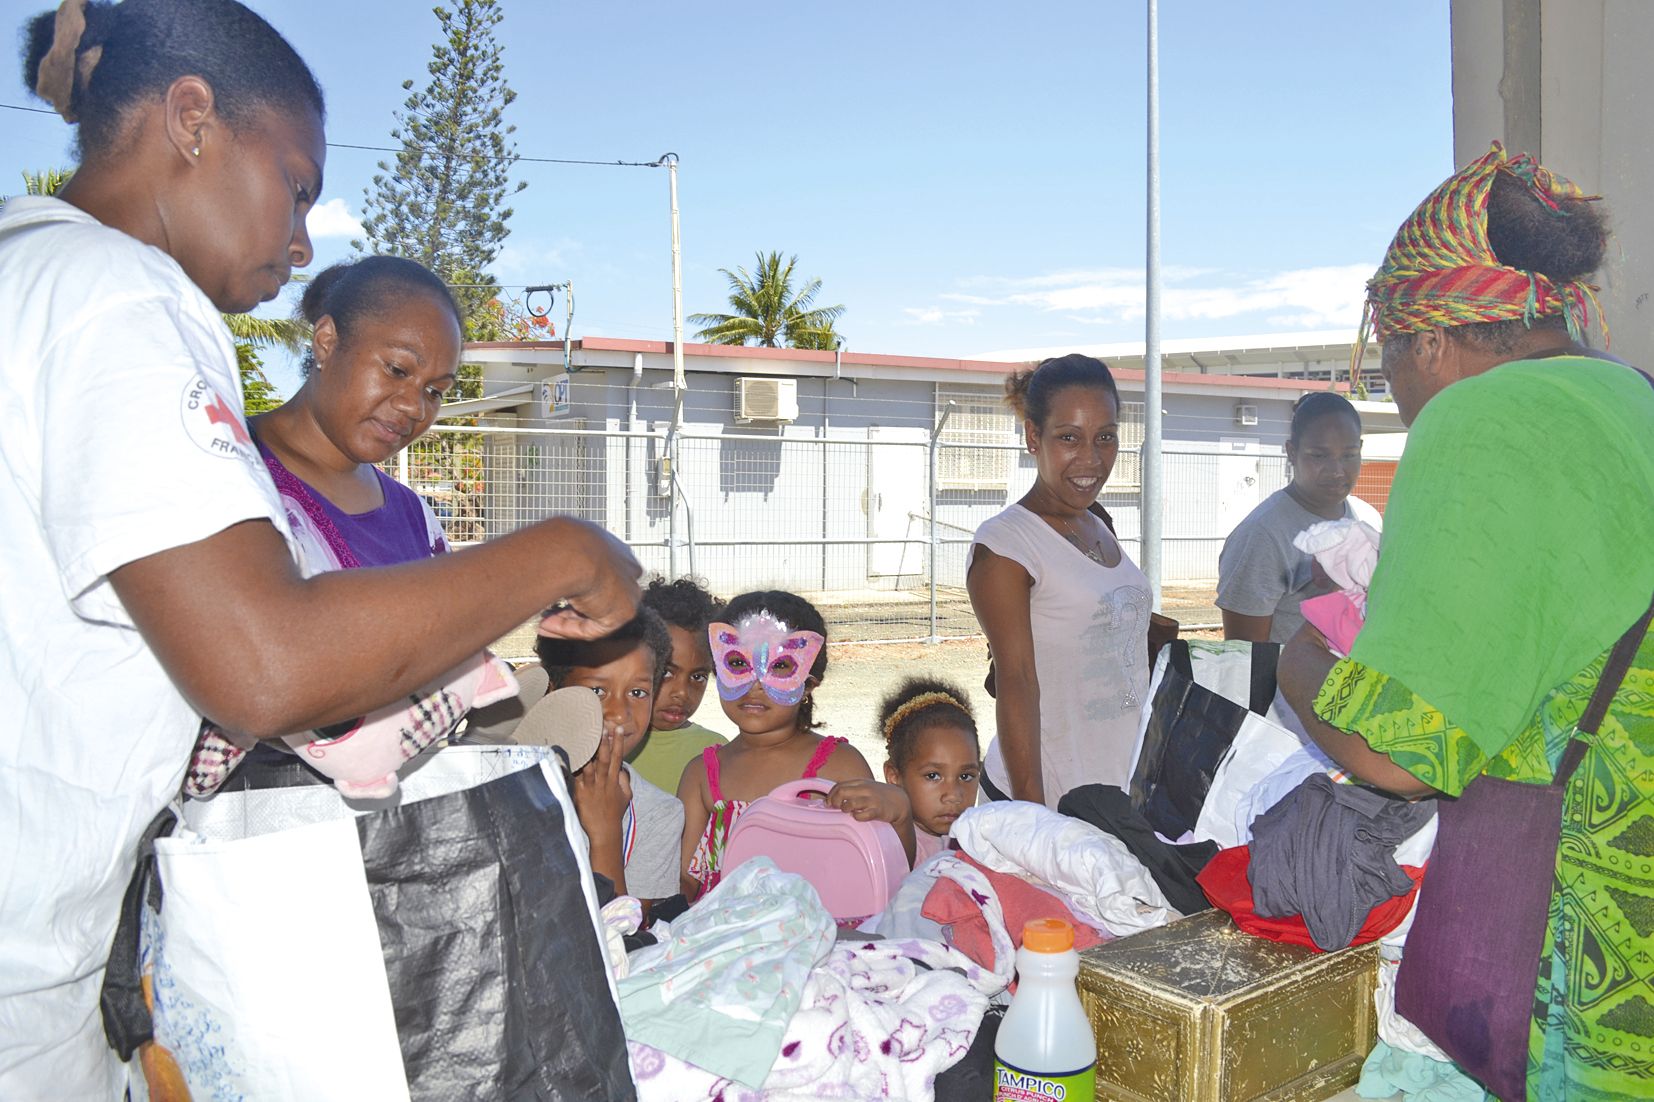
(533, 262)
(1319, 297)
(332, 219)
(935, 315)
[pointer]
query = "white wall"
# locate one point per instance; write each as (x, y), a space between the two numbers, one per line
(1568, 81)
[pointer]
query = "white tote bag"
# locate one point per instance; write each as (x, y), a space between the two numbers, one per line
(446, 945)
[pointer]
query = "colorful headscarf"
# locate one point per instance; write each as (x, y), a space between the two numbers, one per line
(1440, 271)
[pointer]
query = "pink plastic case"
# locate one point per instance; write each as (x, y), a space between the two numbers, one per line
(854, 867)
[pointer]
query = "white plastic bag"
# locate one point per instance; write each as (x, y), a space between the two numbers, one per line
(446, 944)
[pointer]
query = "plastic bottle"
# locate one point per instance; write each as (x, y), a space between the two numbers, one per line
(1045, 1051)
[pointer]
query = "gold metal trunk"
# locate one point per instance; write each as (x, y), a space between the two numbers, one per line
(1197, 1011)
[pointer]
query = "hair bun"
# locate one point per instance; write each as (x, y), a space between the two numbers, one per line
(63, 67)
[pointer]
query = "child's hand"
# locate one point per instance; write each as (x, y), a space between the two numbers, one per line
(602, 789)
(871, 801)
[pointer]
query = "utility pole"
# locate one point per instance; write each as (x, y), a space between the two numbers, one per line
(670, 160)
(1152, 461)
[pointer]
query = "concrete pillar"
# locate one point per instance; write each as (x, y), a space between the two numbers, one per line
(1566, 80)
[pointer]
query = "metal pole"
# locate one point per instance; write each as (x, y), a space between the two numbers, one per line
(672, 504)
(670, 160)
(935, 434)
(568, 327)
(1152, 460)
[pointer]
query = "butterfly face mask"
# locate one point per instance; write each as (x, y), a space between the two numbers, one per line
(764, 649)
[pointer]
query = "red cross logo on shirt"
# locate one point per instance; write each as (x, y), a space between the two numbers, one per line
(220, 414)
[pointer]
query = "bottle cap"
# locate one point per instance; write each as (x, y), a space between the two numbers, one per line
(1048, 935)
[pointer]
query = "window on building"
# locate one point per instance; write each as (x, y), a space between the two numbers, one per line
(1128, 467)
(978, 443)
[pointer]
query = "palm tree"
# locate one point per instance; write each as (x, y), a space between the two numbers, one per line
(251, 334)
(292, 334)
(44, 183)
(769, 312)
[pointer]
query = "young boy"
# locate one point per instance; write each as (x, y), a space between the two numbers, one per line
(634, 828)
(674, 741)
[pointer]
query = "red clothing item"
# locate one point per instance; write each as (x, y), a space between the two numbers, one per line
(1225, 883)
(951, 905)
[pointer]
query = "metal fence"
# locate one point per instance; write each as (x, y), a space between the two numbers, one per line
(874, 529)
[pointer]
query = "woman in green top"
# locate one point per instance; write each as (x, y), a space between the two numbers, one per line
(1517, 550)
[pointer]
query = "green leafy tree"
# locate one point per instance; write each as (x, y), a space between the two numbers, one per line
(49, 182)
(443, 204)
(252, 334)
(249, 333)
(767, 310)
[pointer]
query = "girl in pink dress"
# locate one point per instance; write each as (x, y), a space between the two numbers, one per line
(769, 652)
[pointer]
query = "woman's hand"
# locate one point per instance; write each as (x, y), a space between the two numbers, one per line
(1304, 665)
(608, 598)
(267, 651)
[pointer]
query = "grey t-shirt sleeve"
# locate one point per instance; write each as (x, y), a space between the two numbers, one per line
(652, 873)
(1253, 571)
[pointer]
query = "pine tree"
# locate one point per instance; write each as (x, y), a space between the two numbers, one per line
(444, 203)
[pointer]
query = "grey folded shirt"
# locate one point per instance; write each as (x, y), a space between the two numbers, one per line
(1326, 851)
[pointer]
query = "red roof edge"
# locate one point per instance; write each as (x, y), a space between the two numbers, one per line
(870, 359)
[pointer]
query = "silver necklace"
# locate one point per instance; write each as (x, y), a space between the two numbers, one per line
(1094, 552)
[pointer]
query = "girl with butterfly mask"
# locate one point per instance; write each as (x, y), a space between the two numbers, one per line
(769, 652)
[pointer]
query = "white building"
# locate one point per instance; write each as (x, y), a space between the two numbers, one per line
(811, 470)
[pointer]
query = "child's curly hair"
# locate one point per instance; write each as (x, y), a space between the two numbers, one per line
(919, 703)
(682, 602)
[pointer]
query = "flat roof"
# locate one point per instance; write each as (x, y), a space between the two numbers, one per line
(743, 358)
(1309, 347)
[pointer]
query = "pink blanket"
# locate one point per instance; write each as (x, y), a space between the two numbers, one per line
(951, 905)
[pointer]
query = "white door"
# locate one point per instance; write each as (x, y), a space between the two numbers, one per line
(1238, 489)
(898, 479)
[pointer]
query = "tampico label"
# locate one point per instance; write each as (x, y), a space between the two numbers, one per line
(1012, 1084)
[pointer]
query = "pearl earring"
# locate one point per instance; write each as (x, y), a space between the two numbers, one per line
(196, 151)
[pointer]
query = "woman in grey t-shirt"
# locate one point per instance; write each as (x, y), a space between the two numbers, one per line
(1262, 577)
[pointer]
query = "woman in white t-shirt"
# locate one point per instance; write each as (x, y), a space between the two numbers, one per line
(1262, 576)
(1065, 609)
(148, 571)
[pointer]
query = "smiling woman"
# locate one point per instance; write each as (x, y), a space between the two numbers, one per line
(1065, 610)
(386, 349)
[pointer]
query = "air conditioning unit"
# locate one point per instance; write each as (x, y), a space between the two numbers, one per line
(1246, 416)
(766, 399)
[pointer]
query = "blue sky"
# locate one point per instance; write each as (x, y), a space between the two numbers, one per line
(965, 177)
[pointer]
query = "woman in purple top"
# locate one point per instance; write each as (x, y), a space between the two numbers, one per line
(386, 349)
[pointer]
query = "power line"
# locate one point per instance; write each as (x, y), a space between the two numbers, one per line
(395, 149)
(530, 160)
